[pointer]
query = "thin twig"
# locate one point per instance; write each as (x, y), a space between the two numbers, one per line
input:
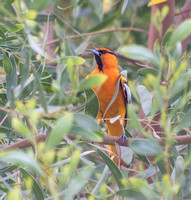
(4, 119)
(99, 32)
(182, 12)
(135, 62)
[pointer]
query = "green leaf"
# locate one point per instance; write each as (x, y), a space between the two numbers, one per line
(35, 46)
(2, 34)
(146, 99)
(6, 169)
(20, 127)
(72, 60)
(11, 82)
(146, 147)
(124, 6)
(86, 122)
(104, 23)
(142, 186)
(39, 4)
(7, 64)
(21, 159)
(178, 171)
(30, 15)
(36, 189)
(140, 53)
(161, 166)
(131, 194)
(126, 154)
(43, 17)
(92, 81)
(78, 182)
(180, 33)
(97, 8)
(164, 12)
(143, 159)
(59, 130)
(101, 180)
(113, 168)
(85, 134)
(6, 2)
(146, 71)
(134, 121)
(185, 122)
(92, 105)
(26, 66)
(167, 35)
(18, 27)
(42, 97)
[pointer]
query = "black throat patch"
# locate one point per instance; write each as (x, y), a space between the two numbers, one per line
(99, 63)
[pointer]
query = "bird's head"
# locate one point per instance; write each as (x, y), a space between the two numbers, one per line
(105, 58)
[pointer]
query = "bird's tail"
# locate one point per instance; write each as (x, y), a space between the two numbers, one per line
(115, 130)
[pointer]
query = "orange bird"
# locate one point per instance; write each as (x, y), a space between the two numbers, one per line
(106, 63)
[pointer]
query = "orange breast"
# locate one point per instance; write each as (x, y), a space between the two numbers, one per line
(105, 94)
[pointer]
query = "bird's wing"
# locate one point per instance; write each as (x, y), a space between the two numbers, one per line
(126, 89)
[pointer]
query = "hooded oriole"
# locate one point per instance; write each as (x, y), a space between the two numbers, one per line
(106, 63)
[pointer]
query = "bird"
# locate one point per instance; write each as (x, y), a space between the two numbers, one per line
(106, 63)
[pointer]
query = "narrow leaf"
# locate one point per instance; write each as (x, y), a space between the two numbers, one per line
(146, 147)
(42, 97)
(92, 105)
(92, 81)
(26, 67)
(39, 4)
(141, 53)
(126, 154)
(146, 99)
(11, 81)
(113, 168)
(146, 71)
(185, 122)
(86, 122)
(61, 128)
(34, 45)
(21, 159)
(72, 60)
(181, 32)
(178, 171)
(7, 64)
(101, 180)
(134, 121)
(78, 182)
(85, 134)
(125, 2)
(36, 190)
(131, 194)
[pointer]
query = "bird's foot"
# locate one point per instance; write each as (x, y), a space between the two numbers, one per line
(123, 137)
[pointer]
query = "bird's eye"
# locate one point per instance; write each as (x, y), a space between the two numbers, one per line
(104, 52)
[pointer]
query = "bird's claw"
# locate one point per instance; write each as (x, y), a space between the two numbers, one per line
(123, 137)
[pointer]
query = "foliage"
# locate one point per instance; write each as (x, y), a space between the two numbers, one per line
(42, 93)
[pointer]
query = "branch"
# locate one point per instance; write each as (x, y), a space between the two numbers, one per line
(182, 12)
(99, 32)
(107, 140)
(135, 62)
